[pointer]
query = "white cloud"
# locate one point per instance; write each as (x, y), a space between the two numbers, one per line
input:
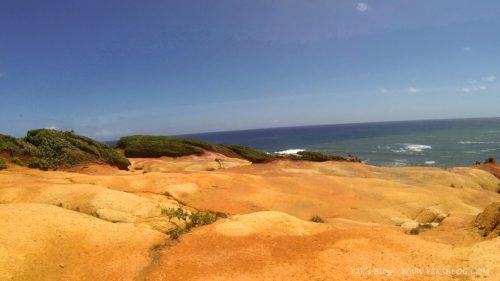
(474, 89)
(472, 81)
(52, 128)
(383, 90)
(490, 78)
(413, 90)
(467, 49)
(362, 7)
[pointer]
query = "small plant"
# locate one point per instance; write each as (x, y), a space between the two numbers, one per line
(316, 219)
(200, 218)
(177, 232)
(190, 220)
(178, 213)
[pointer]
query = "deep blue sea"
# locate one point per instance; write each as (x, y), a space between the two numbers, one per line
(444, 143)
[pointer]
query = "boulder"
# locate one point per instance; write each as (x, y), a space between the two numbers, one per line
(488, 221)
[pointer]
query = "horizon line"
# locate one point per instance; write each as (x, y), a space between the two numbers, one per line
(335, 124)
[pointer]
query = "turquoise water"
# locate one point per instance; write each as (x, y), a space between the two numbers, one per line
(444, 143)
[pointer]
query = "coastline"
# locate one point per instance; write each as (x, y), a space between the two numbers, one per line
(165, 217)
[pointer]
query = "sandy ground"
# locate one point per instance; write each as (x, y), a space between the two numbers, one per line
(98, 223)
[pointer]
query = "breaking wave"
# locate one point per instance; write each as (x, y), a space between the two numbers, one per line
(290, 151)
(410, 148)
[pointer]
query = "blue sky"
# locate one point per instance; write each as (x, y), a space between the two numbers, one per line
(112, 68)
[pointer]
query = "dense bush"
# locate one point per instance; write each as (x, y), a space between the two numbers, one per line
(40, 163)
(51, 149)
(57, 149)
(143, 146)
(3, 165)
(250, 154)
(16, 161)
(156, 146)
(314, 156)
(16, 149)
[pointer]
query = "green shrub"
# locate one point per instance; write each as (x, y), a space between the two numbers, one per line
(17, 161)
(16, 147)
(250, 154)
(39, 163)
(200, 218)
(57, 149)
(144, 146)
(3, 165)
(314, 156)
(177, 232)
(190, 220)
(178, 213)
(156, 146)
(316, 219)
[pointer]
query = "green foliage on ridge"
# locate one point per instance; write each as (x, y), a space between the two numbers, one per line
(144, 146)
(3, 165)
(52, 149)
(147, 146)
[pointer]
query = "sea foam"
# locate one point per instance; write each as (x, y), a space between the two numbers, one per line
(410, 148)
(290, 151)
(417, 147)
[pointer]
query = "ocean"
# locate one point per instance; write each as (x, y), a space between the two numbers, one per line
(443, 143)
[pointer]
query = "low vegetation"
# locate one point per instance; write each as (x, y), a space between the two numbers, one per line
(317, 219)
(52, 149)
(3, 165)
(251, 155)
(16, 150)
(145, 146)
(316, 157)
(189, 220)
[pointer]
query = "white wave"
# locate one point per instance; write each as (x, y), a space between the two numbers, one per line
(430, 162)
(290, 151)
(410, 148)
(417, 147)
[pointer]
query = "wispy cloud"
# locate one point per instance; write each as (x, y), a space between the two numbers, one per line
(399, 91)
(467, 49)
(362, 7)
(51, 128)
(383, 91)
(490, 78)
(474, 89)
